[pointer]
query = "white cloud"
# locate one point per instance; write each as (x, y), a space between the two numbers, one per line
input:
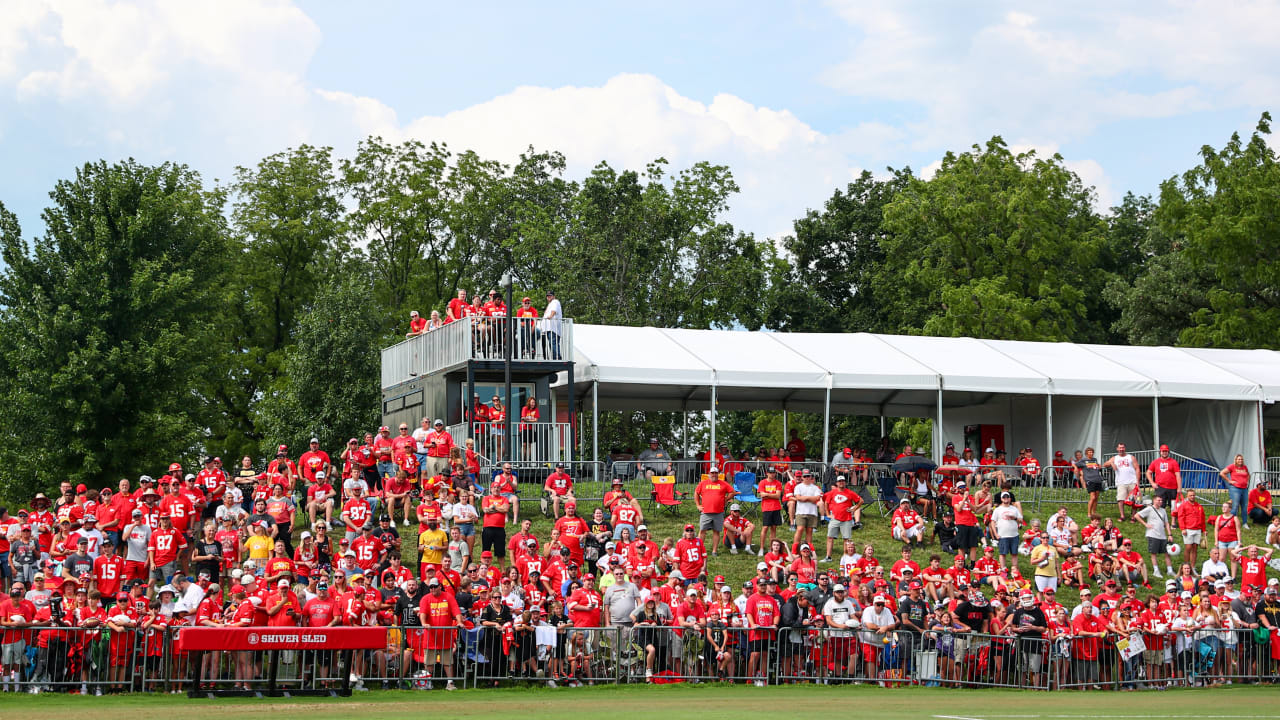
(973, 71)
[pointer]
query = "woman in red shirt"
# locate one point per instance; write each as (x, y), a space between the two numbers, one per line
(1236, 476)
(498, 425)
(528, 431)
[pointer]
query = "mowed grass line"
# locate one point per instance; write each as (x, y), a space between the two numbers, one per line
(706, 702)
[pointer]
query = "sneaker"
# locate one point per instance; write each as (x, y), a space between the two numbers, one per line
(450, 686)
(732, 551)
(406, 522)
(759, 683)
(826, 559)
(551, 683)
(1155, 572)
(760, 553)
(84, 689)
(648, 674)
(749, 551)
(97, 692)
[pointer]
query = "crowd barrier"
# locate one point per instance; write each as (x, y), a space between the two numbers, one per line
(78, 660)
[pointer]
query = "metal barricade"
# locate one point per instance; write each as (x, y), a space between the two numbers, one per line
(1231, 655)
(66, 660)
(588, 478)
(979, 660)
(541, 444)
(539, 656)
(829, 656)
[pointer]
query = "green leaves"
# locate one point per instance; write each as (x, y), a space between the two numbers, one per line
(105, 319)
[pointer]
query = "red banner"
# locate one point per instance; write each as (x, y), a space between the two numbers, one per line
(282, 638)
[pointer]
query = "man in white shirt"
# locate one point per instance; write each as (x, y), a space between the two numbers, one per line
(1006, 518)
(841, 616)
(1125, 466)
(806, 495)
(551, 326)
(877, 622)
(420, 442)
(1214, 568)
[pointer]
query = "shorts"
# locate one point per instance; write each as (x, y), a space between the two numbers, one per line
(1157, 546)
(1124, 491)
(134, 570)
(617, 530)
(13, 654)
(904, 534)
(771, 518)
(1153, 657)
(711, 521)
(1009, 545)
(466, 529)
(1228, 545)
(841, 648)
(760, 646)
(806, 521)
(495, 539)
(967, 537)
(446, 656)
(1030, 661)
(840, 528)
(1044, 582)
(1192, 537)
(870, 651)
(163, 573)
(1093, 486)
(1169, 495)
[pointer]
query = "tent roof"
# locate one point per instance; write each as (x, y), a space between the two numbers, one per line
(655, 368)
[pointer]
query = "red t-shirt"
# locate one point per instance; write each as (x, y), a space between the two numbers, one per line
(319, 612)
(840, 503)
(769, 486)
(559, 483)
(1238, 475)
(1163, 472)
(312, 462)
(438, 611)
(488, 506)
(963, 505)
(714, 493)
(763, 611)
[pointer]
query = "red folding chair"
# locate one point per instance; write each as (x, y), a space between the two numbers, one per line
(665, 495)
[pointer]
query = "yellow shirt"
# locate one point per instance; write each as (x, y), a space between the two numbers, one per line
(1046, 554)
(439, 539)
(259, 547)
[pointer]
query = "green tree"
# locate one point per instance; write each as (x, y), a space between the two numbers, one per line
(836, 275)
(399, 217)
(105, 321)
(1228, 211)
(328, 386)
(997, 245)
(288, 220)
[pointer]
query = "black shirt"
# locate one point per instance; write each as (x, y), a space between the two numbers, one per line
(208, 566)
(973, 616)
(1023, 617)
(913, 611)
(406, 606)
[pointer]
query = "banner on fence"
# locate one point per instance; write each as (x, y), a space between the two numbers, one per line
(282, 638)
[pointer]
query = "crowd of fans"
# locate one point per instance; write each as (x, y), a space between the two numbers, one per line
(95, 575)
(534, 335)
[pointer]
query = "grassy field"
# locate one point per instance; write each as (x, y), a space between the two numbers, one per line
(876, 530)
(706, 702)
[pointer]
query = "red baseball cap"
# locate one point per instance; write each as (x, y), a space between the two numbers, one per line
(81, 489)
(1058, 454)
(848, 452)
(1164, 448)
(174, 466)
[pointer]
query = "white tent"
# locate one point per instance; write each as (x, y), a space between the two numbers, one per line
(1206, 403)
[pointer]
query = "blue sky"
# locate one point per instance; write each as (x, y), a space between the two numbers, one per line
(796, 97)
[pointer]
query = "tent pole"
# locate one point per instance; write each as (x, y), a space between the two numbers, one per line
(826, 422)
(1155, 423)
(1048, 428)
(684, 429)
(882, 433)
(937, 431)
(784, 427)
(595, 423)
(711, 454)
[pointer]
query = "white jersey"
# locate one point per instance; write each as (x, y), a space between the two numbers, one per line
(1126, 469)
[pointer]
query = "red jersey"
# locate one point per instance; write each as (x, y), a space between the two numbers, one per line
(1253, 572)
(108, 573)
(367, 550)
(357, 513)
(489, 511)
(625, 514)
(692, 555)
(559, 483)
(165, 545)
(213, 481)
(179, 509)
(587, 611)
(909, 517)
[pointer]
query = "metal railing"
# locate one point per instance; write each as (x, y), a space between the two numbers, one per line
(531, 443)
(476, 338)
(533, 652)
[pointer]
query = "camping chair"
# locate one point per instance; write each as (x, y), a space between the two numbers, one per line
(887, 485)
(745, 484)
(664, 494)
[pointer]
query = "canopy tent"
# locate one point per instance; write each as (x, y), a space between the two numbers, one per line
(1209, 403)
